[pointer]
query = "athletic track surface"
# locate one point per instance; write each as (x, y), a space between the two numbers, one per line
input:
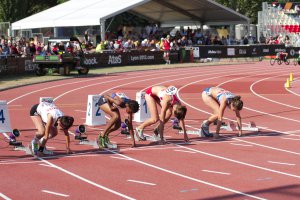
(264, 165)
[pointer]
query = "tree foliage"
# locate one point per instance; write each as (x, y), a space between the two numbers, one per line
(248, 8)
(14, 10)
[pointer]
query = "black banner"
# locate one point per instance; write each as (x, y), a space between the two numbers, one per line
(241, 51)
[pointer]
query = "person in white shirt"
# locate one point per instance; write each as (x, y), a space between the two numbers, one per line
(48, 120)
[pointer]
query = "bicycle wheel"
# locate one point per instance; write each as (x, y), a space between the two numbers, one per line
(295, 61)
(272, 61)
(287, 61)
(279, 61)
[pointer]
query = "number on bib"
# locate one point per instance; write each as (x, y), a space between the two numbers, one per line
(171, 90)
(2, 119)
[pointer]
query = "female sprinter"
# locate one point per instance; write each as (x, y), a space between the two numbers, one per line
(48, 120)
(168, 101)
(109, 104)
(218, 99)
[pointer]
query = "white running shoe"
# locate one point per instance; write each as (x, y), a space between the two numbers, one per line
(34, 146)
(140, 134)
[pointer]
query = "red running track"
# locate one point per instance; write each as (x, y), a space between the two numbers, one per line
(262, 165)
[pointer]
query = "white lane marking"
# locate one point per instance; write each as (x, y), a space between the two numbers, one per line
(273, 101)
(281, 163)
(86, 180)
(184, 151)
(4, 197)
(242, 163)
(273, 148)
(55, 193)
(141, 182)
(117, 80)
(72, 83)
(209, 171)
(50, 147)
(206, 74)
(188, 177)
(290, 139)
(12, 162)
(294, 131)
(245, 145)
(45, 165)
(119, 158)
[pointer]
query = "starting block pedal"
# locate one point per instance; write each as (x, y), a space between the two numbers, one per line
(190, 132)
(231, 126)
(87, 142)
(251, 127)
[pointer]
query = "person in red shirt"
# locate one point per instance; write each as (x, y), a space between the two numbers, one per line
(167, 47)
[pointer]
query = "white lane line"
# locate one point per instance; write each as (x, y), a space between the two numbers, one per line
(295, 131)
(4, 197)
(55, 193)
(273, 148)
(45, 165)
(290, 139)
(119, 158)
(187, 177)
(141, 182)
(245, 145)
(50, 147)
(86, 180)
(184, 151)
(11, 162)
(204, 170)
(273, 101)
(242, 163)
(281, 163)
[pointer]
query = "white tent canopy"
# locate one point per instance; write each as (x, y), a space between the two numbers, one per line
(76, 13)
(89, 13)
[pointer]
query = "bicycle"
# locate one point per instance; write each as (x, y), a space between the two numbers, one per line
(279, 61)
(297, 61)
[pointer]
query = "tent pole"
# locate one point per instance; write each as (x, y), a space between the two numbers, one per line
(102, 29)
(55, 31)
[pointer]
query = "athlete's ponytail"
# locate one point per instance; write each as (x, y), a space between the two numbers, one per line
(237, 103)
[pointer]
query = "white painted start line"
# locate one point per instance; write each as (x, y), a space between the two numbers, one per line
(184, 151)
(245, 145)
(115, 157)
(281, 163)
(215, 172)
(45, 165)
(4, 197)
(55, 193)
(141, 182)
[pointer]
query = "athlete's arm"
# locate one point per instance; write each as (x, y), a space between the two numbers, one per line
(239, 121)
(182, 125)
(130, 128)
(66, 132)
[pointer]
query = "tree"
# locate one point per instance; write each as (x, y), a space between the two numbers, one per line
(248, 8)
(14, 10)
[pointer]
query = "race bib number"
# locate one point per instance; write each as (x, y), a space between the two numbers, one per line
(171, 90)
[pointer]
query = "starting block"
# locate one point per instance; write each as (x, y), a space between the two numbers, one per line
(82, 137)
(232, 127)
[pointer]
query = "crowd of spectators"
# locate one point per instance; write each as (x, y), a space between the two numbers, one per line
(150, 38)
